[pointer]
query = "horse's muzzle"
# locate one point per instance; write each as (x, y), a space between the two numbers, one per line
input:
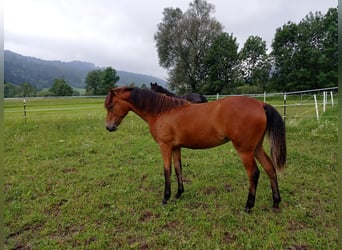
(111, 128)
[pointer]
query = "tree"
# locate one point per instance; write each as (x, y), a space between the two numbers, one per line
(329, 60)
(182, 40)
(284, 47)
(99, 81)
(109, 79)
(60, 88)
(306, 54)
(28, 89)
(221, 60)
(93, 81)
(23, 90)
(254, 63)
(11, 90)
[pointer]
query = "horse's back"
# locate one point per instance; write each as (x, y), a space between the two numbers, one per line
(195, 98)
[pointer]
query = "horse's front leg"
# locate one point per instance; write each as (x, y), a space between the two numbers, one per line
(166, 152)
(176, 153)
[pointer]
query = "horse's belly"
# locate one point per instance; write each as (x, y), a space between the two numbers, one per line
(201, 139)
(202, 145)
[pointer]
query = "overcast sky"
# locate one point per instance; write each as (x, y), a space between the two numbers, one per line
(119, 33)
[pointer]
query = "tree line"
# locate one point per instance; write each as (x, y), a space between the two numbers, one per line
(97, 83)
(201, 57)
(59, 88)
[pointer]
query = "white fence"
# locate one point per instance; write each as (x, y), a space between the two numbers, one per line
(317, 99)
(291, 105)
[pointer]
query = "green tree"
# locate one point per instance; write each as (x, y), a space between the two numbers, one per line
(28, 89)
(306, 54)
(182, 40)
(99, 81)
(254, 63)
(11, 90)
(60, 88)
(109, 79)
(221, 60)
(329, 59)
(284, 48)
(23, 90)
(93, 82)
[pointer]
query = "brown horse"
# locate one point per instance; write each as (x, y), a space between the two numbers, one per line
(176, 123)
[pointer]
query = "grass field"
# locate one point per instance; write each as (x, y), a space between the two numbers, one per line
(71, 184)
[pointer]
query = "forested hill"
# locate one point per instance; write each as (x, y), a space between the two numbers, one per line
(19, 69)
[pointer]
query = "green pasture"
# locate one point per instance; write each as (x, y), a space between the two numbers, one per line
(70, 184)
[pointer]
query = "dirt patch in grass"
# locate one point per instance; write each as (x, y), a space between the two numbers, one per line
(228, 238)
(147, 216)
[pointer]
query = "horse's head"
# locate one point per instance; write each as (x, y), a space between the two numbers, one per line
(154, 86)
(117, 107)
(157, 88)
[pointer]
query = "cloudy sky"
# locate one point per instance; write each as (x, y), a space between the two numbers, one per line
(119, 33)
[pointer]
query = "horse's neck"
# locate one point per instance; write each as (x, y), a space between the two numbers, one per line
(147, 117)
(168, 93)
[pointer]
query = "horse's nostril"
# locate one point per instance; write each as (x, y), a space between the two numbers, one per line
(111, 128)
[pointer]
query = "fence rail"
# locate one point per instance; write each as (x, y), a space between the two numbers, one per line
(291, 105)
(312, 99)
(272, 94)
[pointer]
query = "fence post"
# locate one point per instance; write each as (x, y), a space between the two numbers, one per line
(217, 96)
(284, 117)
(25, 109)
(316, 107)
(324, 100)
(332, 99)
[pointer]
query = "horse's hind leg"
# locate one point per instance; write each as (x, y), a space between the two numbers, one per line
(267, 164)
(178, 169)
(253, 172)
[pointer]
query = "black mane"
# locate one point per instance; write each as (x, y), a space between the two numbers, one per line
(154, 102)
(191, 97)
(160, 89)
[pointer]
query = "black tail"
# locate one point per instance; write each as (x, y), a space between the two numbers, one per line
(276, 132)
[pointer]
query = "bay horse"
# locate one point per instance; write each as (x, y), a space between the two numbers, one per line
(176, 123)
(191, 97)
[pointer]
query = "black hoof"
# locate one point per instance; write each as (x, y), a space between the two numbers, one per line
(248, 210)
(276, 209)
(179, 194)
(276, 205)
